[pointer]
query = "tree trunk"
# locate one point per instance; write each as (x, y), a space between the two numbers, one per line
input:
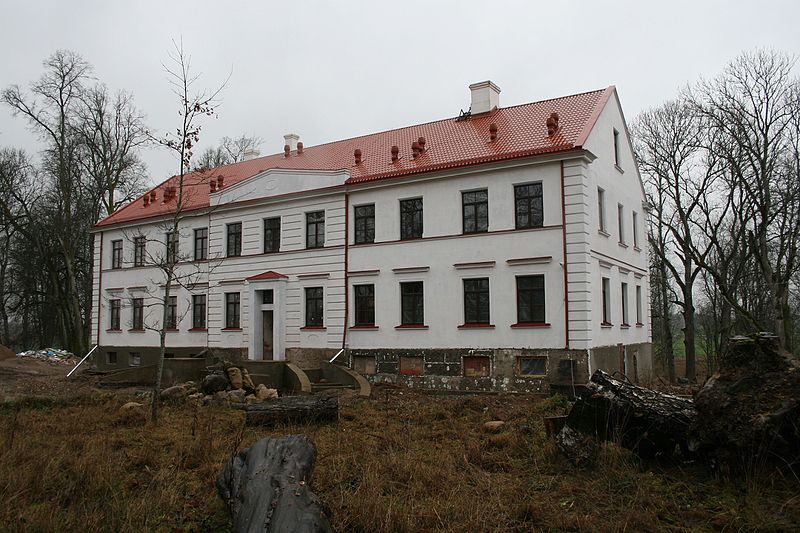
(266, 487)
(293, 409)
(648, 422)
(667, 353)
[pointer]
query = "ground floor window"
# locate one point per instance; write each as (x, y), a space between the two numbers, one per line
(172, 313)
(530, 300)
(314, 305)
(115, 308)
(476, 301)
(199, 311)
(232, 306)
(532, 366)
(412, 306)
(138, 313)
(624, 296)
(606, 295)
(364, 305)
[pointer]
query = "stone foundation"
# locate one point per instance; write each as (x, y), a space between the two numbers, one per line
(633, 360)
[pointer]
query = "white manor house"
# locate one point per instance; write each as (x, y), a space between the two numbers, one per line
(502, 249)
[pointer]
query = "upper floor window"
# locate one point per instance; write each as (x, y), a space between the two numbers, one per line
(138, 313)
(314, 306)
(172, 247)
(616, 147)
(530, 300)
(115, 309)
(475, 211)
(411, 218)
(621, 222)
(601, 209)
(200, 244)
(412, 305)
(116, 254)
(139, 247)
(635, 217)
(234, 244)
(476, 301)
(199, 311)
(364, 305)
(172, 313)
(272, 235)
(528, 205)
(364, 223)
(232, 303)
(315, 229)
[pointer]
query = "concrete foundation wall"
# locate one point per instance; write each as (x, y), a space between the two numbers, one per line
(306, 358)
(633, 360)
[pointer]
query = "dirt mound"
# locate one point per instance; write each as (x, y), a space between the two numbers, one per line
(6, 353)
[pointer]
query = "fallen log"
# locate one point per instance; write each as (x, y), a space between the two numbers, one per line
(267, 487)
(648, 422)
(293, 409)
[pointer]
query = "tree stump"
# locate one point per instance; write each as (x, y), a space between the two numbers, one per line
(293, 409)
(648, 422)
(267, 487)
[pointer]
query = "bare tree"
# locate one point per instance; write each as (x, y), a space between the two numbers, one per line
(230, 150)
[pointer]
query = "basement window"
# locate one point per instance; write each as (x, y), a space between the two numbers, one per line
(364, 365)
(411, 366)
(136, 359)
(532, 366)
(111, 358)
(476, 366)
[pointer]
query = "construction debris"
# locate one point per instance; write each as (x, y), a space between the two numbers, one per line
(54, 356)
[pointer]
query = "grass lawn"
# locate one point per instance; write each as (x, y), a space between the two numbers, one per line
(400, 461)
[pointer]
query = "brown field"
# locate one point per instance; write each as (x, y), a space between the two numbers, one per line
(400, 461)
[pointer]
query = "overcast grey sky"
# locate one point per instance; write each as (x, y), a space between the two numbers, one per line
(331, 70)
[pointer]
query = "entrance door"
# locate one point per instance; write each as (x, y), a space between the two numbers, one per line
(267, 353)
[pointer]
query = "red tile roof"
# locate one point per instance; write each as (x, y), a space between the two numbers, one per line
(269, 274)
(450, 143)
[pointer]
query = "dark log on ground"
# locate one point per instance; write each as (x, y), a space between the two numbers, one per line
(293, 409)
(648, 422)
(749, 411)
(267, 487)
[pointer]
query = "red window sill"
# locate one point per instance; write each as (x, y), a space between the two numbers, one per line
(198, 329)
(411, 326)
(114, 330)
(136, 330)
(313, 327)
(231, 329)
(476, 326)
(373, 327)
(531, 325)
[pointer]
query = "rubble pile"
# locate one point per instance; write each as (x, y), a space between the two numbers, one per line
(54, 356)
(230, 385)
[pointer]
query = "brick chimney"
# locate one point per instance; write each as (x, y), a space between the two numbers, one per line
(485, 97)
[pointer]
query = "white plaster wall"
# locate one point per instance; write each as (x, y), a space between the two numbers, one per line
(622, 186)
(443, 246)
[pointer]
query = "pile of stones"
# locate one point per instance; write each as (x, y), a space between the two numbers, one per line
(230, 385)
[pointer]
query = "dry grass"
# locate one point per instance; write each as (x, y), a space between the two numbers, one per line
(402, 461)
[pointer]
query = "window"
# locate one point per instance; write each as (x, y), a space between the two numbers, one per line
(267, 296)
(365, 223)
(232, 301)
(115, 308)
(530, 300)
(111, 358)
(139, 244)
(199, 311)
(475, 211)
(272, 235)
(621, 223)
(533, 366)
(364, 365)
(616, 148)
(412, 306)
(638, 305)
(172, 247)
(172, 313)
(606, 295)
(635, 216)
(411, 219)
(135, 359)
(234, 244)
(476, 301)
(315, 229)
(200, 244)
(624, 294)
(313, 307)
(116, 254)
(476, 366)
(365, 305)
(138, 313)
(601, 209)
(411, 365)
(528, 203)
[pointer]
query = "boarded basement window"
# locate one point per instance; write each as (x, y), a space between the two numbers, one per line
(411, 366)
(533, 366)
(364, 365)
(136, 359)
(476, 366)
(111, 358)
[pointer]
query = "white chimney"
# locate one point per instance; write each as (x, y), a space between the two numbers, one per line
(485, 96)
(252, 153)
(291, 141)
